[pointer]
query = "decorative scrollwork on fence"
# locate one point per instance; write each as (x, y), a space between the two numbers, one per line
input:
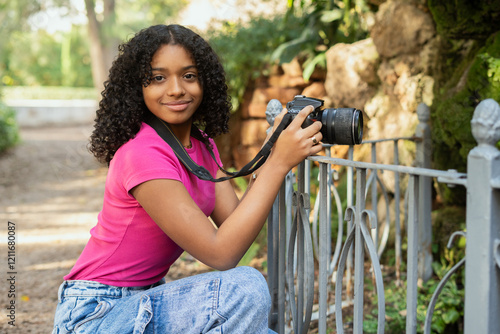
(446, 278)
(340, 229)
(382, 243)
(300, 231)
(360, 232)
(496, 251)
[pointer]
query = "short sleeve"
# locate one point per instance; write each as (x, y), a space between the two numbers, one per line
(144, 159)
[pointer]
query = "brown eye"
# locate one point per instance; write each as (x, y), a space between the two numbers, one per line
(190, 76)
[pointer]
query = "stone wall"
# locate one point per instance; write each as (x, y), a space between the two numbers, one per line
(248, 125)
(34, 113)
(386, 76)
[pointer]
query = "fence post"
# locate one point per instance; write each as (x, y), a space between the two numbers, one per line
(276, 243)
(482, 274)
(423, 160)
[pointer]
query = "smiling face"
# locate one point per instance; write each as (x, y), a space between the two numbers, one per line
(175, 91)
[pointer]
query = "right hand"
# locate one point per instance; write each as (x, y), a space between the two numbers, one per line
(296, 143)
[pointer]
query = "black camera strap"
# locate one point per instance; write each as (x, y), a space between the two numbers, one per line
(164, 131)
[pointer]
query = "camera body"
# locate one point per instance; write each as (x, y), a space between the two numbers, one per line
(342, 126)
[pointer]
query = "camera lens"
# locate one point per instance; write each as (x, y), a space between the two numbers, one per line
(343, 126)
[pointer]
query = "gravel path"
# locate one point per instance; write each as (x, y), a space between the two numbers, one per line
(51, 191)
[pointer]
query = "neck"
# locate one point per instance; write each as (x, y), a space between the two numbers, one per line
(183, 133)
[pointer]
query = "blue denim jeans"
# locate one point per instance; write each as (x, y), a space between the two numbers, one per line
(232, 301)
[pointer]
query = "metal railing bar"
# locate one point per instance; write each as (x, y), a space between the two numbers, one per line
(290, 274)
(370, 215)
(340, 229)
(323, 250)
(315, 220)
(372, 183)
(448, 175)
(412, 270)
(282, 251)
(349, 215)
(299, 312)
(359, 253)
(308, 273)
(273, 275)
(301, 186)
(350, 223)
(329, 181)
(452, 180)
(382, 140)
(397, 221)
(290, 179)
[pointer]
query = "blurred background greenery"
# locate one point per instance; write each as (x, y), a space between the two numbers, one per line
(38, 54)
(61, 49)
(71, 43)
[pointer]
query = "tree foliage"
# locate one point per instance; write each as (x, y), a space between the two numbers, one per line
(35, 58)
(14, 14)
(323, 23)
(245, 49)
(110, 22)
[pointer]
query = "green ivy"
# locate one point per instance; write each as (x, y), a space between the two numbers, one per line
(475, 78)
(493, 64)
(465, 19)
(449, 308)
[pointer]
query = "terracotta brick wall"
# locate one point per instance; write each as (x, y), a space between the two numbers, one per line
(248, 124)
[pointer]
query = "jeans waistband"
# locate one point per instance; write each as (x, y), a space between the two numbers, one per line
(79, 288)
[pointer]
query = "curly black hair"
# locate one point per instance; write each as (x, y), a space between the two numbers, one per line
(122, 108)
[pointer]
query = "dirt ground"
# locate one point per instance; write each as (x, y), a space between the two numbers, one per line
(51, 191)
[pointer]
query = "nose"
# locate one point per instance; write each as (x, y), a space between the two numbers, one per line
(175, 87)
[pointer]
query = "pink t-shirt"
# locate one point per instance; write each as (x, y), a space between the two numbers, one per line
(126, 247)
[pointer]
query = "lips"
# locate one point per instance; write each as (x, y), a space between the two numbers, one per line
(177, 105)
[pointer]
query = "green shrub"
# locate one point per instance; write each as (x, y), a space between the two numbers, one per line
(475, 78)
(9, 134)
(448, 311)
(324, 23)
(465, 19)
(245, 49)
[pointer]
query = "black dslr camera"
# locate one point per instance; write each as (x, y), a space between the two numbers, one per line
(342, 126)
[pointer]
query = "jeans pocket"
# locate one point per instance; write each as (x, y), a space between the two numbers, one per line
(100, 310)
(144, 315)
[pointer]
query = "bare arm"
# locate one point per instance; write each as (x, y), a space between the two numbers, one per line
(172, 208)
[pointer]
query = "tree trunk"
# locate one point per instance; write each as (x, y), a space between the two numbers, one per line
(109, 40)
(103, 44)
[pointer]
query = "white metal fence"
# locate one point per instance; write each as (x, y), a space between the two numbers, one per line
(299, 235)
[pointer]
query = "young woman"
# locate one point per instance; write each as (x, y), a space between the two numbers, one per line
(154, 208)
